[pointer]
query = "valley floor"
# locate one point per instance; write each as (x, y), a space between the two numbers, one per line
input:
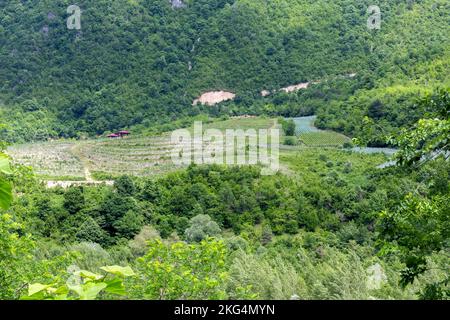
(66, 163)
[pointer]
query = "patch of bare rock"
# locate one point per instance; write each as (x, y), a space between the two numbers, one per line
(214, 97)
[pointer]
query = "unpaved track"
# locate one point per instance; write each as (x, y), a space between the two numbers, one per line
(89, 180)
(75, 150)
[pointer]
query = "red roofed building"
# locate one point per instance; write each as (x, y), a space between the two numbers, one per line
(123, 133)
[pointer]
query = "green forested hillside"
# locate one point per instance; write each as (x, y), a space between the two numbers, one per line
(142, 62)
(122, 221)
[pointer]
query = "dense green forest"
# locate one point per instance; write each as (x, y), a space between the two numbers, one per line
(144, 62)
(331, 224)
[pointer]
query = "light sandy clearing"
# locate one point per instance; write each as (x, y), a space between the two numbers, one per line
(296, 87)
(293, 88)
(303, 85)
(213, 97)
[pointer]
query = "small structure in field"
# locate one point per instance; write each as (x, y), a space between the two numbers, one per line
(123, 133)
(119, 134)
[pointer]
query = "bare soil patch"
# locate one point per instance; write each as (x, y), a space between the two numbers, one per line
(213, 97)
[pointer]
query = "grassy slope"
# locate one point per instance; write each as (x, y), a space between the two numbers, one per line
(312, 163)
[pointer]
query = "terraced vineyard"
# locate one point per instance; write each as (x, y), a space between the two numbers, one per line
(104, 159)
(243, 123)
(141, 156)
(71, 160)
(50, 159)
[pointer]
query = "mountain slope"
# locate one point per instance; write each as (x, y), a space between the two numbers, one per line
(141, 62)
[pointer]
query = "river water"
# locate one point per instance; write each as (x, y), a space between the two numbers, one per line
(306, 124)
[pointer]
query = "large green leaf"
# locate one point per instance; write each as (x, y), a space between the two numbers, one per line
(4, 164)
(5, 194)
(115, 286)
(120, 271)
(89, 275)
(36, 287)
(88, 291)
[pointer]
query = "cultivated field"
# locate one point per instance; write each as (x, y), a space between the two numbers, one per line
(91, 161)
(243, 123)
(104, 159)
(50, 159)
(323, 139)
(140, 156)
(313, 137)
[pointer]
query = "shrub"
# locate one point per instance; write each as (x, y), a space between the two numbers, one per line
(201, 227)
